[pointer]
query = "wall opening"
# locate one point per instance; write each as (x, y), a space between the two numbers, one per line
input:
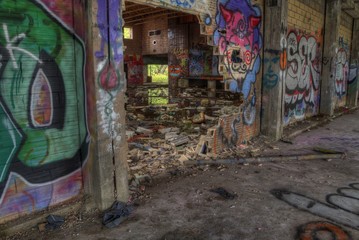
(187, 111)
(158, 74)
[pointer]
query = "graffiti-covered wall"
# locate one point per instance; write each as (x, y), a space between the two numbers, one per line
(304, 60)
(238, 40)
(341, 63)
(177, 54)
(43, 130)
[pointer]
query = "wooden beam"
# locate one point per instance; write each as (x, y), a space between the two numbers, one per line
(136, 10)
(169, 17)
(147, 18)
(144, 15)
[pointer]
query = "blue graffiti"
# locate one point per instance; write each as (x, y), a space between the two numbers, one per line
(248, 81)
(110, 26)
(183, 3)
(270, 78)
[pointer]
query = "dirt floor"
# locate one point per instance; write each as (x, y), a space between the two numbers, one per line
(299, 200)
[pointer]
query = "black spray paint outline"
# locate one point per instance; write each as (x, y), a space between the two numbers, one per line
(316, 207)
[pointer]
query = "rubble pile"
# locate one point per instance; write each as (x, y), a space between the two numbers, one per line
(154, 147)
(163, 137)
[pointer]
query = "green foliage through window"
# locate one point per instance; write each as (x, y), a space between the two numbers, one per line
(159, 74)
(127, 33)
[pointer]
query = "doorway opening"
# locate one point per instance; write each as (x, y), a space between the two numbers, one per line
(175, 92)
(158, 74)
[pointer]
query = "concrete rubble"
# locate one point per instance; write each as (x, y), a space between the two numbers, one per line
(165, 136)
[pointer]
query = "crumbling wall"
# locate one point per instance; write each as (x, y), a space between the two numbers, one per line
(304, 58)
(238, 40)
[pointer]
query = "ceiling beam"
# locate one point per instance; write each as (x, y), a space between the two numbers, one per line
(168, 17)
(143, 14)
(136, 10)
(148, 18)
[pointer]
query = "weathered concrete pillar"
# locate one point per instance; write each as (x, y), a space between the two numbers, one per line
(274, 68)
(353, 85)
(109, 165)
(331, 37)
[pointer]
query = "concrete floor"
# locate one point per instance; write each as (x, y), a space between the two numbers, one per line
(276, 201)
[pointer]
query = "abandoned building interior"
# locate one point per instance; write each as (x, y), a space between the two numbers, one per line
(93, 93)
(175, 94)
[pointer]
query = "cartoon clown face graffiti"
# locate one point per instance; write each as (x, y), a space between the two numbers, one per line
(239, 43)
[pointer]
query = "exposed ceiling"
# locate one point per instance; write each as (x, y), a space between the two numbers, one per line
(136, 14)
(351, 7)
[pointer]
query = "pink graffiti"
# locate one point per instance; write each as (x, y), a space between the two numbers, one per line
(240, 43)
(239, 31)
(135, 70)
(109, 77)
(63, 10)
(22, 197)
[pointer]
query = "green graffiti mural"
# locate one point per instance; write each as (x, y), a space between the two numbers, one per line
(43, 131)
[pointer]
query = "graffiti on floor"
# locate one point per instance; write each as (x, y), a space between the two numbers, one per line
(109, 73)
(321, 230)
(303, 75)
(341, 208)
(239, 41)
(44, 137)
